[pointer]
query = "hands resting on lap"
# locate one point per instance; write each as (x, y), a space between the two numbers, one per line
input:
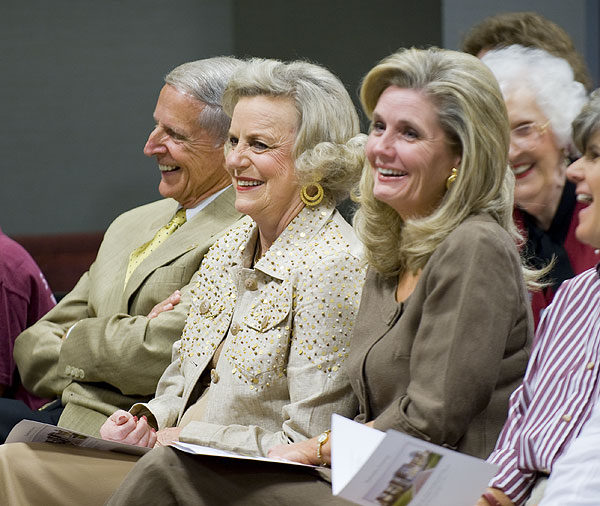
(123, 427)
(305, 452)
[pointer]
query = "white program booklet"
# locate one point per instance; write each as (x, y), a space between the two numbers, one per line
(28, 431)
(206, 450)
(375, 468)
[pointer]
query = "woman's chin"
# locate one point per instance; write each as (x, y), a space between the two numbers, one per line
(526, 193)
(593, 241)
(588, 236)
(530, 199)
(588, 228)
(244, 206)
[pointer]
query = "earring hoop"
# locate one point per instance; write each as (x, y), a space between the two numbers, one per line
(317, 195)
(451, 178)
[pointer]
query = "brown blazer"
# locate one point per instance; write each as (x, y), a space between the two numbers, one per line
(442, 365)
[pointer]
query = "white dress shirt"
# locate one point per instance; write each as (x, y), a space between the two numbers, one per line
(575, 478)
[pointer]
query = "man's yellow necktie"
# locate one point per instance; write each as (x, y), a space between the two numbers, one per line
(139, 254)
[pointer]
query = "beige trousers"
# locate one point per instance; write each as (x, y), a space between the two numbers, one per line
(47, 474)
(166, 476)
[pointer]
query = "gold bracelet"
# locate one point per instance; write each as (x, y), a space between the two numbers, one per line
(322, 439)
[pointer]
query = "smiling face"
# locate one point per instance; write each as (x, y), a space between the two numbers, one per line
(585, 173)
(259, 160)
(410, 154)
(535, 158)
(190, 162)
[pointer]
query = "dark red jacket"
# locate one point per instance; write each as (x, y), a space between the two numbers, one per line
(559, 241)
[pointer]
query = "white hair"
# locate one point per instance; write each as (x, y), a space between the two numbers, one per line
(549, 78)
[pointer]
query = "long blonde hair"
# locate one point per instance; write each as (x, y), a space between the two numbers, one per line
(471, 111)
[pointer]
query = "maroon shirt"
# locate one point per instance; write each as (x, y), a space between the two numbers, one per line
(24, 298)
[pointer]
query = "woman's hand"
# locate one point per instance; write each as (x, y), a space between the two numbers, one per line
(304, 452)
(125, 428)
(166, 305)
(165, 437)
(500, 497)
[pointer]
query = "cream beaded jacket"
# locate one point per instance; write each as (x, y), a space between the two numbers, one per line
(285, 325)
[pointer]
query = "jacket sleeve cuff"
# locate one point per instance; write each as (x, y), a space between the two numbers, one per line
(140, 410)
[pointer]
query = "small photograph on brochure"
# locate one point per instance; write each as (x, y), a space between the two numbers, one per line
(412, 472)
(374, 468)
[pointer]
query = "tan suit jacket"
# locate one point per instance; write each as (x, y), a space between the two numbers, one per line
(114, 355)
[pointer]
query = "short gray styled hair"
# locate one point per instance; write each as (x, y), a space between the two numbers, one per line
(328, 147)
(587, 123)
(549, 78)
(206, 80)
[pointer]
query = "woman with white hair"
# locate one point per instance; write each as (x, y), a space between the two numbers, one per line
(263, 355)
(543, 98)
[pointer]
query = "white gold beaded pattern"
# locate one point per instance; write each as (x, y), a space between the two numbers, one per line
(259, 352)
(213, 300)
(298, 304)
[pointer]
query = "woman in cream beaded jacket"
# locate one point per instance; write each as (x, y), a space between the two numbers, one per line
(262, 358)
(444, 326)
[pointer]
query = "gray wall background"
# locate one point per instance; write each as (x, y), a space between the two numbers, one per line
(80, 80)
(347, 36)
(579, 18)
(79, 84)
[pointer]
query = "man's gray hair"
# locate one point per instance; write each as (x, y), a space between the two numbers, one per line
(205, 80)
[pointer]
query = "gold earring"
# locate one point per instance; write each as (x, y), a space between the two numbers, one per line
(451, 178)
(316, 197)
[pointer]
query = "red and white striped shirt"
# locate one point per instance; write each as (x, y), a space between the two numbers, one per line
(559, 389)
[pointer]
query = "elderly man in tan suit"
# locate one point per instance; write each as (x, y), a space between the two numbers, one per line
(102, 348)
